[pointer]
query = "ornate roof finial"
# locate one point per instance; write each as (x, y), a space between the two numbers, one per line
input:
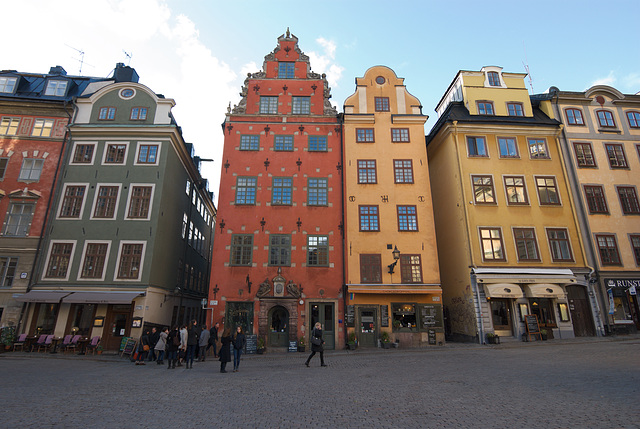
(288, 34)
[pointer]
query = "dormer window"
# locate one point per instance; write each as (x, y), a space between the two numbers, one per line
(485, 108)
(8, 84)
(286, 70)
(56, 88)
(107, 114)
(494, 78)
(138, 114)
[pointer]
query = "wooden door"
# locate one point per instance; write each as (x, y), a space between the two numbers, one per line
(367, 327)
(580, 312)
(118, 326)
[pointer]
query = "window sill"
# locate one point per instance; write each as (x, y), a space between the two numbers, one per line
(609, 130)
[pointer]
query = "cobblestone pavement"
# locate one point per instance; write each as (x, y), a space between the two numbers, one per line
(553, 384)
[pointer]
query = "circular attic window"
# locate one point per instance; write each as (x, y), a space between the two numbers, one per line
(127, 93)
(380, 80)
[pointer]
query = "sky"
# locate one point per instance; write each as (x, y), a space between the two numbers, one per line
(198, 52)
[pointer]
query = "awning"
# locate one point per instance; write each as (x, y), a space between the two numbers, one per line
(525, 275)
(543, 290)
(48, 296)
(390, 289)
(101, 297)
(503, 290)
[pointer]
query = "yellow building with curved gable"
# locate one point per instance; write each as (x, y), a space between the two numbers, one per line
(391, 270)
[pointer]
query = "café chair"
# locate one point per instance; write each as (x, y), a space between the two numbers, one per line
(22, 339)
(41, 339)
(93, 345)
(73, 344)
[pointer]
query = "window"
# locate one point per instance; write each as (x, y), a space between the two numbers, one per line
(608, 249)
(9, 126)
(403, 171)
(483, 189)
(369, 218)
(317, 143)
(410, 269)
(279, 250)
(595, 199)
(31, 169)
(18, 220)
(508, 147)
(367, 171)
(241, 249)
(628, 199)
(634, 119)
(515, 109)
(318, 250)
(584, 155)
(138, 113)
(246, 190)
(526, 244)
(72, 202)
(115, 153)
(107, 114)
(106, 201)
(559, 244)
(301, 105)
(148, 154)
(547, 190)
(494, 78)
(491, 243)
(59, 260)
(538, 148)
(283, 143)
(516, 190)
(476, 146)
(399, 135)
(364, 135)
(286, 70)
(282, 191)
(140, 202)
(42, 128)
(370, 268)
(574, 116)
(130, 261)
(268, 105)
(615, 153)
(249, 142)
(382, 104)
(3, 166)
(7, 271)
(605, 119)
(83, 154)
(485, 108)
(317, 192)
(94, 259)
(635, 245)
(57, 88)
(407, 218)
(8, 84)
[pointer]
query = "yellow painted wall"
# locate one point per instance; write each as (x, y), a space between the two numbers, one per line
(474, 90)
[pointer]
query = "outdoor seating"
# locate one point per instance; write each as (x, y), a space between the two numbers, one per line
(46, 344)
(41, 339)
(93, 345)
(65, 342)
(73, 344)
(22, 339)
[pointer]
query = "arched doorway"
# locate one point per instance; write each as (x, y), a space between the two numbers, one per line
(278, 327)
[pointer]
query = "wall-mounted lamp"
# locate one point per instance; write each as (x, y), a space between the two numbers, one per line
(396, 257)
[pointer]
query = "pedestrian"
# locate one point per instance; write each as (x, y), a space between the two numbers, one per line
(316, 344)
(153, 340)
(203, 343)
(213, 339)
(225, 352)
(239, 342)
(173, 344)
(196, 329)
(182, 352)
(161, 344)
(143, 347)
(192, 344)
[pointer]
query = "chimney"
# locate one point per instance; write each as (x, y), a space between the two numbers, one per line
(58, 70)
(124, 73)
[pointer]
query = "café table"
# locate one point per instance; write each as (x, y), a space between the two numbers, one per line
(82, 345)
(55, 343)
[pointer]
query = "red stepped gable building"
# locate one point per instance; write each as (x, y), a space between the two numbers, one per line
(277, 255)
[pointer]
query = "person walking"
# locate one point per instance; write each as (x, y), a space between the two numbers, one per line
(160, 346)
(192, 344)
(213, 339)
(153, 340)
(203, 343)
(239, 342)
(143, 348)
(173, 344)
(225, 352)
(182, 351)
(316, 344)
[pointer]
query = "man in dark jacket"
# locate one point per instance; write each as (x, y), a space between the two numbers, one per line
(153, 340)
(213, 339)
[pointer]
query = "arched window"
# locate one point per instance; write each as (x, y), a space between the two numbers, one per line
(605, 119)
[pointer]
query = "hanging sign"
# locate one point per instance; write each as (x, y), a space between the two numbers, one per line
(611, 303)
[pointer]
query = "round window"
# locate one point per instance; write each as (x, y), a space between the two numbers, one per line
(380, 80)
(126, 93)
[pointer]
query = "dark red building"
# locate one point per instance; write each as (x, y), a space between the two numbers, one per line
(277, 255)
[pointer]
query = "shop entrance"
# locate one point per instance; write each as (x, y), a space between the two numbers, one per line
(367, 327)
(118, 325)
(239, 314)
(580, 311)
(323, 312)
(278, 327)
(501, 316)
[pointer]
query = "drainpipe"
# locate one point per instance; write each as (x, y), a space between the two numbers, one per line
(344, 233)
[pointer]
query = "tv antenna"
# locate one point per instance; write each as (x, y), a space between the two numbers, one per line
(525, 63)
(128, 55)
(81, 59)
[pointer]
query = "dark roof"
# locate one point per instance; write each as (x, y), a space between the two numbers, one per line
(457, 112)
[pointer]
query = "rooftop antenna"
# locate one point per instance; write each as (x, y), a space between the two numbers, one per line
(81, 59)
(128, 55)
(526, 67)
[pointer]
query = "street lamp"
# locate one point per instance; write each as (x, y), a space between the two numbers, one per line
(396, 257)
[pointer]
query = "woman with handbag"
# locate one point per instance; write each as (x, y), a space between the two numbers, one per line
(225, 349)
(316, 344)
(143, 348)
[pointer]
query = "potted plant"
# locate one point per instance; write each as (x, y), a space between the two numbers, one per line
(301, 344)
(261, 346)
(351, 343)
(99, 349)
(8, 336)
(386, 341)
(543, 334)
(396, 324)
(493, 338)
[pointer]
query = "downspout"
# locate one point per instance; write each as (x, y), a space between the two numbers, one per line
(344, 233)
(571, 178)
(472, 276)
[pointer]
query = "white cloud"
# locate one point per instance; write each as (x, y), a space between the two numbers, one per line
(609, 80)
(250, 67)
(325, 62)
(632, 82)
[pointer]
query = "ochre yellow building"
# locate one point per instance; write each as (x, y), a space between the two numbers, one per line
(392, 277)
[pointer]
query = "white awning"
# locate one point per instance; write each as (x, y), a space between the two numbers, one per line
(503, 290)
(104, 297)
(48, 296)
(393, 289)
(524, 275)
(542, 290)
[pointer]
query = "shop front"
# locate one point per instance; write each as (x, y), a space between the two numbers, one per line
(624, 310)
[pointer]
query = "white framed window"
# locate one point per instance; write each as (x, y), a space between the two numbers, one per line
(8, 84)
(18, 220)
(115, 153)
(31, 170)
(8, 267)
(130, 260)
(42, 128)
(106, 201)
(71, 204)
(148, 153)
(95, 257)
(138, 114)
(83, 153)
(9, 126)
(107, 114)
(56, 88)
(59, 259)
(140, 201)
